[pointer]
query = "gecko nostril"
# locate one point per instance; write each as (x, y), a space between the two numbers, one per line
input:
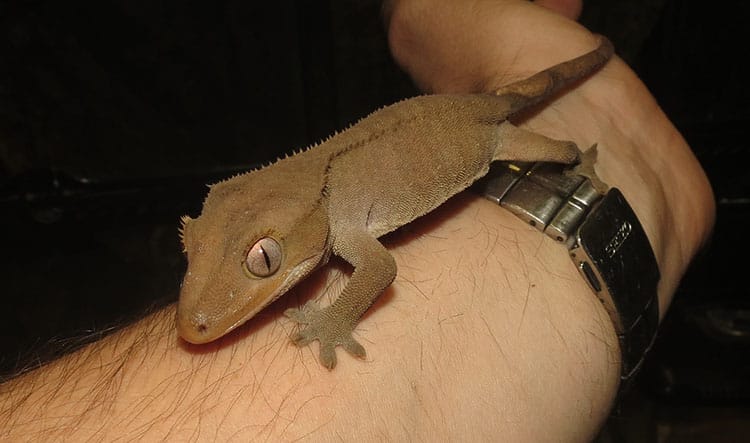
(200, 323)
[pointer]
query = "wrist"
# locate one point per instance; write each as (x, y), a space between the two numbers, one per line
(643, 154)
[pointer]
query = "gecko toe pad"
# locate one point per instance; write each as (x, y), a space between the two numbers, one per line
(320, 325)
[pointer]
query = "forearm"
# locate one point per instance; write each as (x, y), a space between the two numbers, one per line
(487, 329)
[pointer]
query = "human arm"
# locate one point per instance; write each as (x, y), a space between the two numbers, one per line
(487, 331)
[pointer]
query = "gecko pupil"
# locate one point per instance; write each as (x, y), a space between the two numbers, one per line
(266, 258)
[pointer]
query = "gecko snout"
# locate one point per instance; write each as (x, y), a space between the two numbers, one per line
(194, 328)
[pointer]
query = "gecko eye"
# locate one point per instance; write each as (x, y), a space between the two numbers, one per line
(264, 257)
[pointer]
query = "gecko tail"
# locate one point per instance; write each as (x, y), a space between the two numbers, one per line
(540, 86)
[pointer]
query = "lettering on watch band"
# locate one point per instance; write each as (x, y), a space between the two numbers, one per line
(605, 240)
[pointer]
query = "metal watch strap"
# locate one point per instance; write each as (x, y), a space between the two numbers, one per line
(605, 240)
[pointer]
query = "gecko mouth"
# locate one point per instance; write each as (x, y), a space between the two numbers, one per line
(297, 274)
(201, 327)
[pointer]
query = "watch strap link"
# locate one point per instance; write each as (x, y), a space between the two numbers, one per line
(605, 240)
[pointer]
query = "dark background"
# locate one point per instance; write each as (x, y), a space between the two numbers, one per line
(114, 115)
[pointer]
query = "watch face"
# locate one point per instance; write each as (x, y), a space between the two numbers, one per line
(615, 257)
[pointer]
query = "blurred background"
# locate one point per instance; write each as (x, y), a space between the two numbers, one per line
(115, 114)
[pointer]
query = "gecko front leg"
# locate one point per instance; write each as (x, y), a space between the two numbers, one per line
(374, 270)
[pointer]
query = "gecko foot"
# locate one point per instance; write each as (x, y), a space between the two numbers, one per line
(585, 168)
(321, 325)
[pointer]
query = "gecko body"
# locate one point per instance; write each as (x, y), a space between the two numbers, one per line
(262, 232)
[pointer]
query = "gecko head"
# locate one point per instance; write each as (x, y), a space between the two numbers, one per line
(245, 251)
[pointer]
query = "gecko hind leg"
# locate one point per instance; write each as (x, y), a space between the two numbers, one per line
(522, 145)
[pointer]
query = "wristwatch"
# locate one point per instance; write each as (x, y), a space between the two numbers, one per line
(604, 238)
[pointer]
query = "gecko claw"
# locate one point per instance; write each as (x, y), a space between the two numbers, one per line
(319, 326)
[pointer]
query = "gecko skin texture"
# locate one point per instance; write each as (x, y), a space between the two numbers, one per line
(262, 232)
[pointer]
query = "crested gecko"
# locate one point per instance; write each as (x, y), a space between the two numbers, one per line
(262, 232)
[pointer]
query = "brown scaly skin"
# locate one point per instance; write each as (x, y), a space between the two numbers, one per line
(338, 197)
